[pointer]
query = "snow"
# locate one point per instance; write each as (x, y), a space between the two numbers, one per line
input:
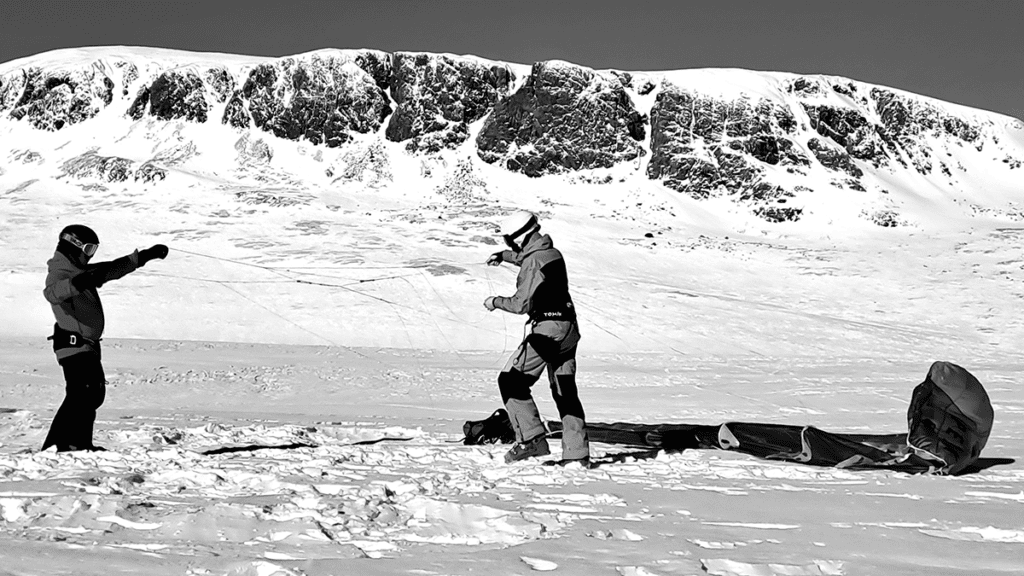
(84, 56)
(484, 62)
(301, 493)
(297, 334)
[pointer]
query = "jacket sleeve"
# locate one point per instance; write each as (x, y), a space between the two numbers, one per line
(527, 282)
(59, 287)
(119, 268)
(512, 257)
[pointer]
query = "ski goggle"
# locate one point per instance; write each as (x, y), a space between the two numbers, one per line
(510, 239)
(88, 248)
(520, 235)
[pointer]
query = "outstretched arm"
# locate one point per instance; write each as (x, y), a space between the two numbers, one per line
(521, 302)
(98, 274)
(505, 256)
(104, 272)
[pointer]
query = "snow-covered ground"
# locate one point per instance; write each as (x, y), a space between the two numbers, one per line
(312, 317)
(419, 502)
(834, 334)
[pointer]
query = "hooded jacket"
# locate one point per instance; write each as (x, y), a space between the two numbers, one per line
(542, 287)
(80, 311)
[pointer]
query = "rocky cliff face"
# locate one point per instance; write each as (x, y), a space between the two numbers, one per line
(52, 99)
(173, 95)
(438, 97)
(323, 99)
(760, 146)
(880, 126)
(564, 118)
(701, 144)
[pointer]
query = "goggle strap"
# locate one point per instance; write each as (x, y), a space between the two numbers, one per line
(529, 224)
(89, 249)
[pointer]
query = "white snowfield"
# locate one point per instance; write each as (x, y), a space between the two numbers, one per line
(286, 391)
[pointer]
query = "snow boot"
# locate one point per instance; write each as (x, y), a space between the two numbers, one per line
(538, 446)
(531, 436)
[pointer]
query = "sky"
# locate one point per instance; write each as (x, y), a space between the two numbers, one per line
(970, 53)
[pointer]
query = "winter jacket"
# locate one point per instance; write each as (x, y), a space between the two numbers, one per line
(542, 287)
(78, 311)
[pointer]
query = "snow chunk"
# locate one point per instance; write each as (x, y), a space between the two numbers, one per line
(723, 567)
(973, 534)
(538, 564)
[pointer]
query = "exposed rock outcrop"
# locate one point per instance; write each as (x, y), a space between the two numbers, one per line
(704, 146)
(438, 97)
(129, 74)
(52, 99)
(833, 158)
(176, 95)
(565, 117)
(322, 98)
(897, 135)
(110, 168)
(236, 113)
(905, 121)
(220, 82)
(463, 185)
(368, 166)
(149, 172)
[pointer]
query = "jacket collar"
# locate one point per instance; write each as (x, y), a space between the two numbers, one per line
(60, 261)
(537, 242)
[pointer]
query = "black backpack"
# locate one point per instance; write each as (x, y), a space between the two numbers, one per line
(494, 429)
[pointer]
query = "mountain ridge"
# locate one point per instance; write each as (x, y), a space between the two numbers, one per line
(87, 54)
(753, 136)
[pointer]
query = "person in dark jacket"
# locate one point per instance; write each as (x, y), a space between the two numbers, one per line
(72, 285)
(542, 293)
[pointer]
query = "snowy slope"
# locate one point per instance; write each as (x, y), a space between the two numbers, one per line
(398, 237)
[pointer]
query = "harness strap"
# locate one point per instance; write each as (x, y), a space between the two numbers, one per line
(69, 339)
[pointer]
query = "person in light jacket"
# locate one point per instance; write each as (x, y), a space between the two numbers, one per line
(542, 293)
(72, 289)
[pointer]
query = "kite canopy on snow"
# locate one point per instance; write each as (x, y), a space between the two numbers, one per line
(950, 417)
(949, 421)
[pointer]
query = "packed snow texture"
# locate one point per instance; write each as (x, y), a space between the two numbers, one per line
(231, 457)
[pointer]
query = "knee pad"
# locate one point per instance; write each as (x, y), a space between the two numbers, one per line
(515, 384)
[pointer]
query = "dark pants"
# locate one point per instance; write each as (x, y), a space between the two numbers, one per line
(551, 346)
(85, 390)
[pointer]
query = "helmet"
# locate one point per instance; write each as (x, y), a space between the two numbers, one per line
(518, 225)
(80, 237)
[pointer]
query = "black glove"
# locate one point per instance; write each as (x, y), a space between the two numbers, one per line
(494, 259)
(155, 251)
(89, 279)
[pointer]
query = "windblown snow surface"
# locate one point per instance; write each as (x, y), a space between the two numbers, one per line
(287, 389)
